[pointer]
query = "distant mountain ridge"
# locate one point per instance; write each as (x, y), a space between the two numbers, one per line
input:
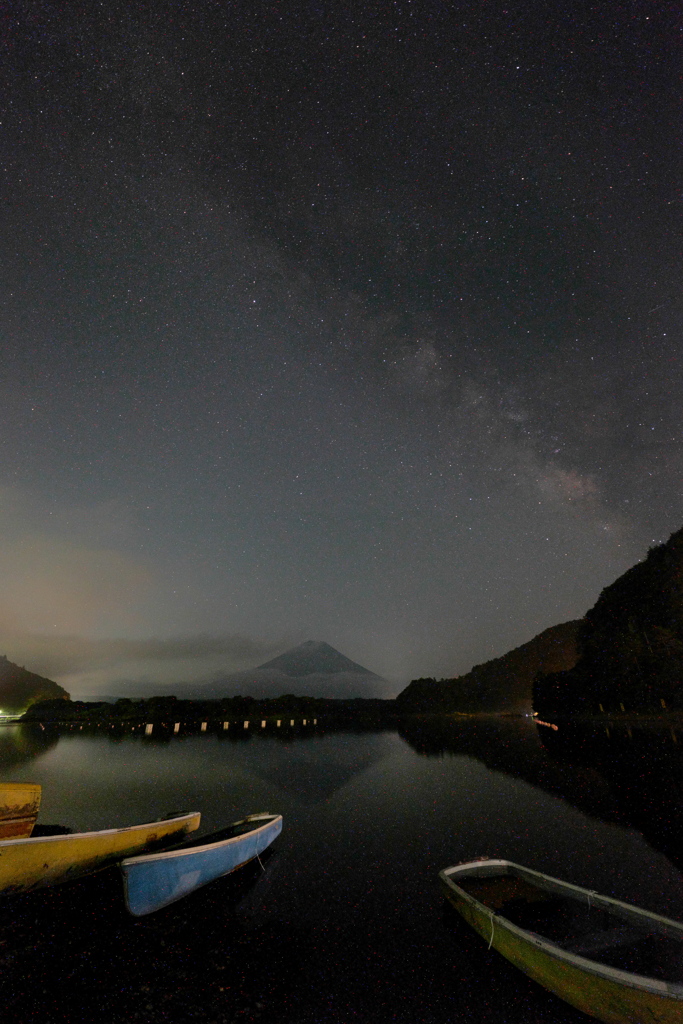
(19, 687)
(502, 684)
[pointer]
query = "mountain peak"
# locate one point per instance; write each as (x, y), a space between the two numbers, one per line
(313, 657)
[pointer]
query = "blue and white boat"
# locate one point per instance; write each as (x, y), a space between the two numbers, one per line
(154, 880)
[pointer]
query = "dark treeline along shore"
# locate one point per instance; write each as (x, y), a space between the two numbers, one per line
(165, 712)
(503, 685)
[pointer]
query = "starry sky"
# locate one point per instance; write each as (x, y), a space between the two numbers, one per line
(324, 321)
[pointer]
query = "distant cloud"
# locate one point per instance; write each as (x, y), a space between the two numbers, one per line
(66, 577)
(54, 584)
(84, 665)
(64, 583)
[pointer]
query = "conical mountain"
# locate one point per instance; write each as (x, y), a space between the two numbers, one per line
(313, 669)
(313, 656)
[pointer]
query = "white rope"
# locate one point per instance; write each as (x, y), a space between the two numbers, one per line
(259, 860)
(492, 928)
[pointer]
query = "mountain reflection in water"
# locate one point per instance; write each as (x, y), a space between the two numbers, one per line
(347, 922)
(310, 771)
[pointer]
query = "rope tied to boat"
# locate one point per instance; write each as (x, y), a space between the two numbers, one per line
(259, 860)
(492, 916)
(591, 893)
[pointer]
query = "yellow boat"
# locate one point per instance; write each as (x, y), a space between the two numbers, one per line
(613, 961)
(19, 803)
(48, 860)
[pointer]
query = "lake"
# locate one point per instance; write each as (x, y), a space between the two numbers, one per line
(346, 922)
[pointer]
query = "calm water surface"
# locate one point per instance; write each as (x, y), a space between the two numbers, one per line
(346, 923)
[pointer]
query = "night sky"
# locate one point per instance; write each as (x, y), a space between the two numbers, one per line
(355, 323)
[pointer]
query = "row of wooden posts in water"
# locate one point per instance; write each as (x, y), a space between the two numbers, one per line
(246, 724)
(623, 731)
(623, 707)
(203, 726)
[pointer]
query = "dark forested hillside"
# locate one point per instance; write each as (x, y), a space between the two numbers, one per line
(631, 643)
(503, 684)
(19, 687)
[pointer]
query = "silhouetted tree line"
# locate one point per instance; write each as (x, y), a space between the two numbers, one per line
(169, 708)
(427, 694)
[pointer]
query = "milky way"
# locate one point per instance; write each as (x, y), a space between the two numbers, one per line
(360, 328)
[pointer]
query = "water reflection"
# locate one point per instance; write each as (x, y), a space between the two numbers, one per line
(20, 743)
(347, 923)
(311, 770)
(514, 746)
(309, 765)
(628, 774)
(643, 767)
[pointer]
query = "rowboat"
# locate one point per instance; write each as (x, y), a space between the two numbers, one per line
(613, 961)
(48, 860)
(19, 803)
(154, 880)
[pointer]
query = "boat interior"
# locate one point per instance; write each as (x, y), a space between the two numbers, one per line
(239, 828)
(570, 921)
(41, 831)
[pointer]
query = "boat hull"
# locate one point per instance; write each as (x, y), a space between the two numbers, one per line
(612, 996)
(32, 863)
(157, 880)
(19, 805)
